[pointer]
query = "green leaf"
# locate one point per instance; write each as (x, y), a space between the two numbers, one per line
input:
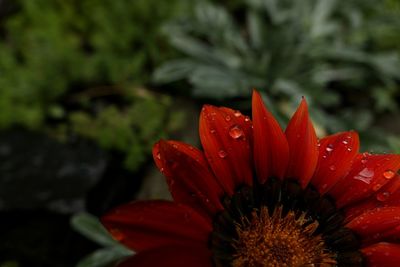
(173, 70)
(104, 257)
(90, 226)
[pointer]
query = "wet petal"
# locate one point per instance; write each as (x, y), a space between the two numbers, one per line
(372, 224)
(271, 149)
(151, 224)
(369, 173)
(189, 177)
(382, 255)
(303, 146)
(226, 137)
(388, 195)
(336, 154)
(171, 256)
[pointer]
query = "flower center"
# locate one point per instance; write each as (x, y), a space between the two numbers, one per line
(274, 240)
(279, 223)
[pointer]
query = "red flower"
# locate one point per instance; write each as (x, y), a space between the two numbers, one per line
(258, 196)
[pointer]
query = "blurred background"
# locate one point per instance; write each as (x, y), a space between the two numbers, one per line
(87, 86)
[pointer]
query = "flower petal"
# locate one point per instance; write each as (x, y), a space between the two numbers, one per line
(303, 146)
(370, 224)
(171, 256)
(151, 224)
(368, 174)
(336, 154)
(388, 195)
(189, 177)
(382, 255)
(271, 149)
(226, 138)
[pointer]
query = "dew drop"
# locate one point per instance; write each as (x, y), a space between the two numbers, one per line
(222, 154)
(158, 156)
(237, 113)
(329, 148)
(332, 167)
(382, 196)
(236, 132)
(388, 174)
(365, 175)
(376, 187)
(349, 149)
(246, 119)
(212, 131)
(228, 118)
(345, 142)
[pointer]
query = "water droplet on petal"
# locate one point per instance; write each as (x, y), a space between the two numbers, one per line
(175, 146)
(247, 119)
(382, 196)
(158, 156)
(388, 174)
(329, 148)
(212, 131)
(237, 113)
(376, 187)
(228, 118)
(365, 175)
(222, 154)
(345, 142)
(349, 149)
(332, 167)
(236, 132)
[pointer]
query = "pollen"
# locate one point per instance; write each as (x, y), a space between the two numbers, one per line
(266, 240)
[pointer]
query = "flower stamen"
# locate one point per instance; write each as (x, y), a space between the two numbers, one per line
(276, 240)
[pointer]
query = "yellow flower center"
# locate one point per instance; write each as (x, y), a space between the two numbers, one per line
(273, 240)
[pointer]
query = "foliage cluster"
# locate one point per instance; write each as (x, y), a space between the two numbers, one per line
(326, 50)
(56, 57)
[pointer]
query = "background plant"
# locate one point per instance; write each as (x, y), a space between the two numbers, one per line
(325, 50)
(81, 65)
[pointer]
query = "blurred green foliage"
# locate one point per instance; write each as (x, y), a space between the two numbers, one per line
(56, 58)
(90, 227)
(326, 50)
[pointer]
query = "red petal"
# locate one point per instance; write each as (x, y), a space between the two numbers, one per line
(368, 174)
(226, 138)
(175, 256)
(303, 146)
(382, 255)
(373, 222)
(336, 154)
(152, 224)
(388, 195)
(271, 149)
(189, 177)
